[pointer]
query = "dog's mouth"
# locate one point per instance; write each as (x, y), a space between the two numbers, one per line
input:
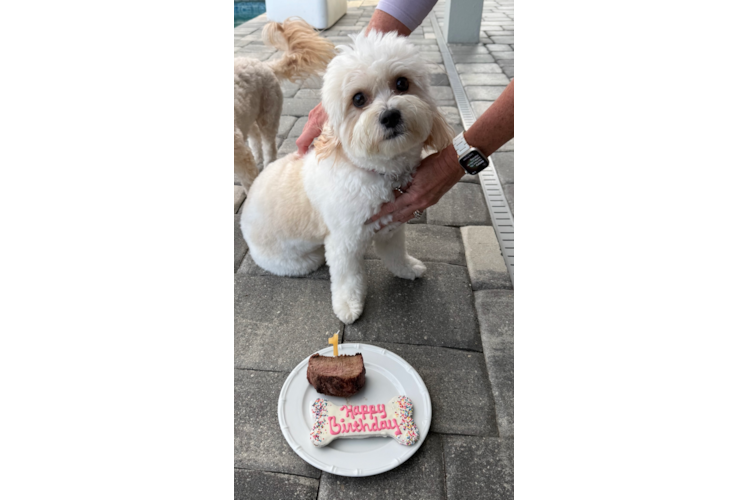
(391, 134)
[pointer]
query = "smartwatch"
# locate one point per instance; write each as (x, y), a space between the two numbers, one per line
(471, 159)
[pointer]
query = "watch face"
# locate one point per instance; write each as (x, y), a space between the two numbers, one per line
(473, 162)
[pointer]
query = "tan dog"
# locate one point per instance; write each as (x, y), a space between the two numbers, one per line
(258, 98)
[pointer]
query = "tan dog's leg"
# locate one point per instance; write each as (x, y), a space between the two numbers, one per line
(269, 124)
(244, 163)
(255, 142)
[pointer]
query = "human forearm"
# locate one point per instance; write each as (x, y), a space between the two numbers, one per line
(384, 23)
(409, 14)
(495, 127)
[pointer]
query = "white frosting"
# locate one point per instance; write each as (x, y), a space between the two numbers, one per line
(393, 419)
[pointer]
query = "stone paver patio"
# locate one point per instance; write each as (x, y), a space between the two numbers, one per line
(454, 325)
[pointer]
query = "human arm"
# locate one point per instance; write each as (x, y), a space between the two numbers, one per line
(440, 171)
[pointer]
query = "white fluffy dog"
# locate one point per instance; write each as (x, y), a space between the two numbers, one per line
(258, 98)
(303, 211)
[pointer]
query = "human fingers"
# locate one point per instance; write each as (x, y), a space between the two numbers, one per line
(401, 200)
(312, 128)
(407, 213)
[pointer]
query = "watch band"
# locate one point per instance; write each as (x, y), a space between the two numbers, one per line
(460, 144)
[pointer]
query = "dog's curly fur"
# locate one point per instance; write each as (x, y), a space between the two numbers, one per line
(258, 98)
(303, 211)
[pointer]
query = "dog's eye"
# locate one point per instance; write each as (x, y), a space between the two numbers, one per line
(401, 84)
(359, 100)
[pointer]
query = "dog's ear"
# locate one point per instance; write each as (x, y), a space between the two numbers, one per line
(441, 133)
(326, 144)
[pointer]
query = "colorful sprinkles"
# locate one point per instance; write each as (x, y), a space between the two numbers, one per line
(410, 431)
(319, 410)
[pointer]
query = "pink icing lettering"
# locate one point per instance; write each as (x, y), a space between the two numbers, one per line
(348, 427)
(373, 409)
(397, 428)
(365, 411)
(383, 410)
(356, 410)
(348, 411)
(333, 426)
(367, 427)
(358, 425)
(375, 425)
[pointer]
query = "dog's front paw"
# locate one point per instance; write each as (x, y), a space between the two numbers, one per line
(347, 309)
(412, 269)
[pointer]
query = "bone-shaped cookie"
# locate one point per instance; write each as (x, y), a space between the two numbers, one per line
(394, 419)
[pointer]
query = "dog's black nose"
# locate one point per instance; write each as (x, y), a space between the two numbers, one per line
(390, 118)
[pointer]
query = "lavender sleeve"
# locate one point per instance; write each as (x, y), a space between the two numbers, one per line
(409, 12)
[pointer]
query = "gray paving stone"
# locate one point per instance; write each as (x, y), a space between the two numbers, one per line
(498, 47)
(298, 107)
(450, 114)
(443, 96)
(298, 127)
(280, 321)
(478, 68)
(480, 107)
(286, 123)
(435, 68)
(437, 79)
(496, 317)
(503, 55)
(435, 309)
(478, 58)
(259, 485)
(504, 163)
(240, 246)
(417, 41)
(485, 263)
(258, 442)
(241, 32)
(249, 267)
(421, 477)
(463, 205)
(479, 467)
(289, 89)
(431, 244)
(503, 40)
(484, 79)
(428, 48)
(253, 37)
(309, 94)
(288, 146)
(239, 197)
(459, 387)
(507, 66)
(472, 179)
(313, 82)
(253, 50)
(471, 49)
(431, 56)
(484, 93)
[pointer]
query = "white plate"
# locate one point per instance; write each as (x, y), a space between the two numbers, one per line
(387, 375)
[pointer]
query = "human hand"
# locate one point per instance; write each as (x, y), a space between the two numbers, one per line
(435, 176)
(312, 129)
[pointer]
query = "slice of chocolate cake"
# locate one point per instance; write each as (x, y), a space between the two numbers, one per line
(341, 376)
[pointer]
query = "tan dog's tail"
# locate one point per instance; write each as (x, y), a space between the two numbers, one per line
(305, 52)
